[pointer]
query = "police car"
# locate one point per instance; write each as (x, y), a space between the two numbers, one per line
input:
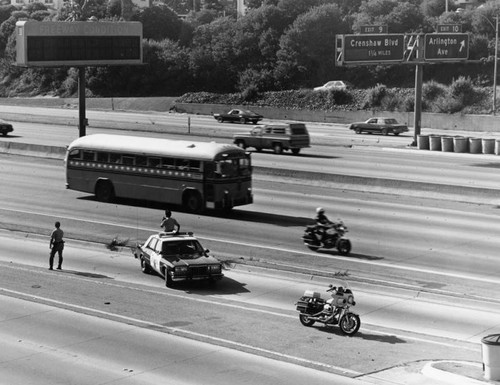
(178, 257)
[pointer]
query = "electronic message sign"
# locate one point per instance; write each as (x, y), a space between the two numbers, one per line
(363, 49)
(446, 46)
(85, 43)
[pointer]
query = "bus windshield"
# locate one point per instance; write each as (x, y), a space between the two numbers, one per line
(230, 168)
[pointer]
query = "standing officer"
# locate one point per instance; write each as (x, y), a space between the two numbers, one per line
(56, 246)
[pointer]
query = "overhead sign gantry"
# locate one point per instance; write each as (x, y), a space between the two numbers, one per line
(448, 45)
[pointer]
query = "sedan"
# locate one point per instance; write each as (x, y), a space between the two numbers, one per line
(384, 126)
(334, 85)
(5, 127)
(237, 115)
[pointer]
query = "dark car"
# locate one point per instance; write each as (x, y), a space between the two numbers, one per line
(5, 127)
(178, 257)
(237, 115)
(381, 125)
(275, 136)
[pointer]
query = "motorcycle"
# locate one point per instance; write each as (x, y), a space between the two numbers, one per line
(332, 311)
(333, 237)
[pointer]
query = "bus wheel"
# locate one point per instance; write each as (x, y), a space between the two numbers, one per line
(104, 191)
(193, 201)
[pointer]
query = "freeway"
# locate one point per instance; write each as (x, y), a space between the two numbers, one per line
(423, 246)
(430, 244)
(249, 311)
(337, 157)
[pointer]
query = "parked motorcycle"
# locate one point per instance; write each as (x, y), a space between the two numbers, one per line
(332, 311)
(333, 237)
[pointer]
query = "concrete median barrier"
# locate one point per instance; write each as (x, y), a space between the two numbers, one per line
(335, 181)
(29, 149)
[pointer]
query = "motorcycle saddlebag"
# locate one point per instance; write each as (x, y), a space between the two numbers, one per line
(303, 306)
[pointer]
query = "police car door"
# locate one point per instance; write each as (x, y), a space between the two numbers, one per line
(156, 255)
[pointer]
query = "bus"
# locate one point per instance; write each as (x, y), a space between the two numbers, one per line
(195, 175)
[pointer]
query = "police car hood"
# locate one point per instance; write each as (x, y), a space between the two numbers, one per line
(190, 260)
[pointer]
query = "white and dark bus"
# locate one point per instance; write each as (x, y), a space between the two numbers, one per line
(196, 175)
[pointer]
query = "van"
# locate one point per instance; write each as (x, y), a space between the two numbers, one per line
(278, 137)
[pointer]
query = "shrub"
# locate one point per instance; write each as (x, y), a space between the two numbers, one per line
(340, 97)
(447, 104)
(375, 95)
(463, 90)
(390, 102)
(432, 90)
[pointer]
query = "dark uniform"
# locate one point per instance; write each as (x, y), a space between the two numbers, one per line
(56, 246)
(322, 223)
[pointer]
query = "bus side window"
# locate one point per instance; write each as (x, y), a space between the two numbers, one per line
(102, 157)
(75, 154)
(154, 162)
(141, 160)
(115, 158)
(183, 164)
(89, 155)
(168, 163)
(194, 165)
(128, 160)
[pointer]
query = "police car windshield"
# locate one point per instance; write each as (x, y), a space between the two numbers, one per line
(184, 249)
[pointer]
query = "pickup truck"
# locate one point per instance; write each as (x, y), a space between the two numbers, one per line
(278, 137)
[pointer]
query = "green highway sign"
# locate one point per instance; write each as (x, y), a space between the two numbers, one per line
(446, 46)
(371, 29)
(373, 48)
(449, 28)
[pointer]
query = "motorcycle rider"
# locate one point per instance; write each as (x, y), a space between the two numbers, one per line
(322, 223)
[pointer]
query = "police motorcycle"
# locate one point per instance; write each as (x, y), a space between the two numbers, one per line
(332, 237)
(332, 311)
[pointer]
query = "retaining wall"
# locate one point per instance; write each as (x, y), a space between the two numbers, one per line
(478, 123)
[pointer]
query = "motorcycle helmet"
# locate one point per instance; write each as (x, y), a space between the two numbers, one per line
(320, 210)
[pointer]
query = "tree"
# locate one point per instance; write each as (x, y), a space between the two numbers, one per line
(158, 23)
(399, 16)
(212, 58)
(307, 53)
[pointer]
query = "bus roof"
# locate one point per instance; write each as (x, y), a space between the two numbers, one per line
(155, 146)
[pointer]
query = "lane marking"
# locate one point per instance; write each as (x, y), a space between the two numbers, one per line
(223, 304)
(285, 250)
(180, 332)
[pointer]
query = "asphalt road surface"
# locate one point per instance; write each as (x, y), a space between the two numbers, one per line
(424, 262)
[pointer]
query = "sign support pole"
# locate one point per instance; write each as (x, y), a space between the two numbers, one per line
(81, 101)
(417, 115)
(495, 69)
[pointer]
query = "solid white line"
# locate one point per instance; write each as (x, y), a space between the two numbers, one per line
(224, 304)
(177, 331)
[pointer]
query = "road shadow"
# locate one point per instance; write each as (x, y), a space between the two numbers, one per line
(300, 155)
(486, 165)
(240, 215)
(226, 286)
(364, 257)
(383, 338)
(84, 274)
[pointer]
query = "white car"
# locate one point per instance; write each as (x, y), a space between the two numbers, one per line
(334, 85)
(178, 257)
